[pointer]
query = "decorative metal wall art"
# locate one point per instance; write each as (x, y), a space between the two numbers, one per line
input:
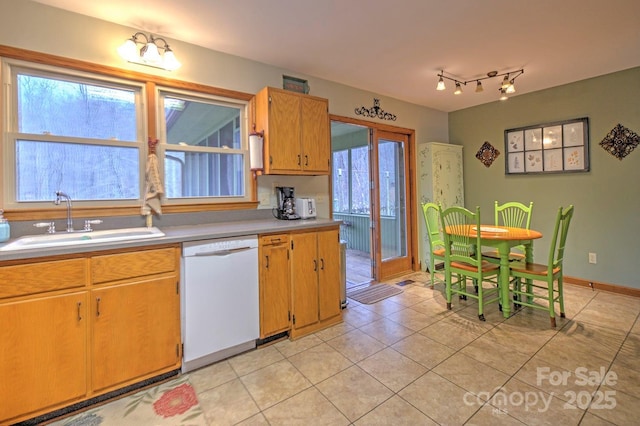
(487, 154)
(620, 141)
(548, 148)
(375, 111)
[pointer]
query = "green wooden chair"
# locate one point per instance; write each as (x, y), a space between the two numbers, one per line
(548, 274)
(462, 258)
(512, 214)
(431, 213)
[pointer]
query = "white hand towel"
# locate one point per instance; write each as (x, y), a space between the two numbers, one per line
(154, 184)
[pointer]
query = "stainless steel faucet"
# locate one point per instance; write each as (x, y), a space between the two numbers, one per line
(59, 196)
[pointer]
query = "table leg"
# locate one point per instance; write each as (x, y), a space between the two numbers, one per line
(528, 252)
(503, 249)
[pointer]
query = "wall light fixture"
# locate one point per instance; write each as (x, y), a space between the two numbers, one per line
(506, 87)
(151, 51)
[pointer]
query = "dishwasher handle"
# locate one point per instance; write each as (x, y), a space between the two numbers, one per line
(223, 252)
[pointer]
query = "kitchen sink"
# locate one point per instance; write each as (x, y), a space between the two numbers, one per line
(63, 239)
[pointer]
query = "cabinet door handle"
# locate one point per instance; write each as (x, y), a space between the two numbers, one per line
(315, 265)
(97, 306)
(79, 314)
(306, 160)
(267, 265)
(298, 159)
(322, 264)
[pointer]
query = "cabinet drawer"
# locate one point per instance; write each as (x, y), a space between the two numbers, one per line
(269, 240)
(33, 278)
(121, 266)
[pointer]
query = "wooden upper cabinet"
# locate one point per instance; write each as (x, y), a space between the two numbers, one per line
(296, 132)
(316, 140)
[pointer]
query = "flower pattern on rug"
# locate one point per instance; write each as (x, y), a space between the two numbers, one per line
(175, 401)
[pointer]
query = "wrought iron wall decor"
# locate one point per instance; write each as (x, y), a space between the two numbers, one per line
(620, 141)
(548, 148)
(375, 111)
(487, 154)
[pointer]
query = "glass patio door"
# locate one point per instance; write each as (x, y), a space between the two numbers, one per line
(389, 194)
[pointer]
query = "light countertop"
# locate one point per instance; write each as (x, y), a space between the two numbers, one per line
(180, 234)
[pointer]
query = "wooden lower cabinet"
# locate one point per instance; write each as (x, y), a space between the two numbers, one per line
(275, 311)
(315, 281)
(43, 354)
(135, 334)
(70, 334)
(299, 282)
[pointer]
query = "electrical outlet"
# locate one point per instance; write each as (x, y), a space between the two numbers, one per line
(593, 258)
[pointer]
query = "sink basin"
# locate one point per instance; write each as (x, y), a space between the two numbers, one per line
(63, 239)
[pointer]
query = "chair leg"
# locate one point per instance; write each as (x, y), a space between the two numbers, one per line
(432, 270)
(553, 322)
(516, 296)
(480, 300)
(561, 296)
(447, 278)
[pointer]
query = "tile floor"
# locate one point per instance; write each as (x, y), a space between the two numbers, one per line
(406, 360)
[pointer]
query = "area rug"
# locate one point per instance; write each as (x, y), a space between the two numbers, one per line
(172, 403)
(373, 293)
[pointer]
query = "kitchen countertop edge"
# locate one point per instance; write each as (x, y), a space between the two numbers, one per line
(181, 234)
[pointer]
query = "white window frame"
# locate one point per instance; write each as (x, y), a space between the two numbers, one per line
(10, 69)
(163, 147)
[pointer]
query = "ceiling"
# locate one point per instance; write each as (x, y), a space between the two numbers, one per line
(396, 48)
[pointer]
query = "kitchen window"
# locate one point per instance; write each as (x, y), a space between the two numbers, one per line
(204, 152)
(71, 132)
(85, 133)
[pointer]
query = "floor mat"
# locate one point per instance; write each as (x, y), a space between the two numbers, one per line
(171, 403)
(373, 293)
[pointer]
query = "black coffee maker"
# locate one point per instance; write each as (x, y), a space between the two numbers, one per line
(286, 209)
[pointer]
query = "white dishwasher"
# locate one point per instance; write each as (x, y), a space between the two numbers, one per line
(219, 299)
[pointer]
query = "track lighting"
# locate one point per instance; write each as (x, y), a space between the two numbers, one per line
(505, 81)
(506, 87)
(144, 50)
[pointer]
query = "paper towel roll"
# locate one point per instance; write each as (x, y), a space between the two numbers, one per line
(255, 151)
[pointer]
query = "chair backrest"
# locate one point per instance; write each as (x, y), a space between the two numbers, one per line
(560, 231)
(460, 244)
(431, 212)
(513, 214)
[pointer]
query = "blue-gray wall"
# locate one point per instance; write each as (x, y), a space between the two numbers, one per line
(606, 199)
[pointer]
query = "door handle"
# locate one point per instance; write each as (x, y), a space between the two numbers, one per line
(315, 265)
(322, 264)
(306, 160)
(267, 265)
(97, 306)
(299, 159)
(79, 314)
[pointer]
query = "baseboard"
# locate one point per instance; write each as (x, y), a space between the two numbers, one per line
(596, 285)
